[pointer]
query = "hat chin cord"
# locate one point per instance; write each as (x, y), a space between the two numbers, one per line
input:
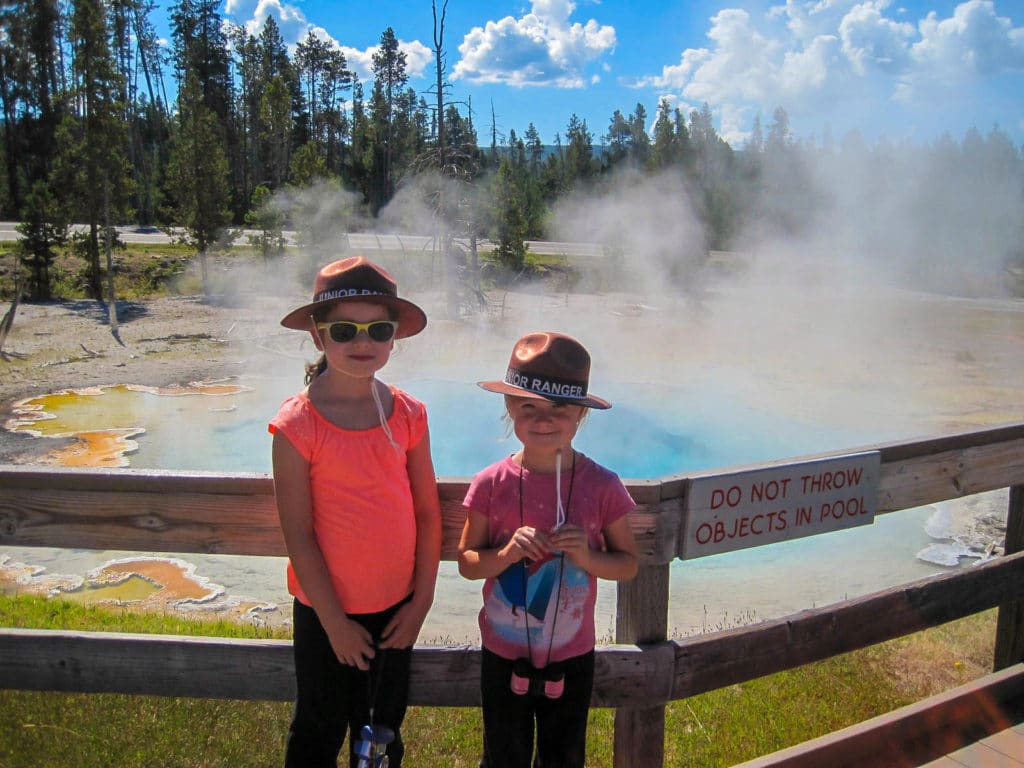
(383, 418)
(559, 509)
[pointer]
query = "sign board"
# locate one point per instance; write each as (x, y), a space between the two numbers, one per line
(762, 506)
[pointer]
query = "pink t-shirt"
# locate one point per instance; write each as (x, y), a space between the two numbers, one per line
(550, 601)
(363, 513)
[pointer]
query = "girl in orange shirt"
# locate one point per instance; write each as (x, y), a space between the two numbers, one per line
(357, 499)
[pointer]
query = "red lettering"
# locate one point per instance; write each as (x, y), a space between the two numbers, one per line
(839, 509)
(703, 533)
(768, 489)
(730, 496)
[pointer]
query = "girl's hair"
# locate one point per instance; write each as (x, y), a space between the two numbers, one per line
(319, 365)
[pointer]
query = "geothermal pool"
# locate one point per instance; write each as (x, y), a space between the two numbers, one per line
(647, 435)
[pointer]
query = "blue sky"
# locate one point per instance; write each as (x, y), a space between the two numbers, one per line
(903, 70)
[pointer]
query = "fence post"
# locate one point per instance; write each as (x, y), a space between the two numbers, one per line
(641, 616)
(1010, 624)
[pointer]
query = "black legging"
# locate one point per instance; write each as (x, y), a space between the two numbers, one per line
(333, 699)
(510, 719)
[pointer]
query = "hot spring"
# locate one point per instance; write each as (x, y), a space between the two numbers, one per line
(691, 391)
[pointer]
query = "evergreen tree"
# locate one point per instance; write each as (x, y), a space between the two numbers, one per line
(265, 217)
(579, 155)
(618, 140)
(280, 103)
(92, 159)
(665, 149)
(639, 141)
(30, 81)
(197, 173)
(508, 229)
(43, 230)
(385, 112)
(203, 69)
(324, 71)
(534, 150)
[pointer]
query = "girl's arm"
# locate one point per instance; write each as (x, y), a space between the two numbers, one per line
(617, 562)
(479, 561)
(350, 641)
(403, 629)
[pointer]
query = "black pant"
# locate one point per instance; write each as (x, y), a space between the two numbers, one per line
(333, 699)
(509, 718)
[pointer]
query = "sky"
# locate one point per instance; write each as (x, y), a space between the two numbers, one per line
(909, 70)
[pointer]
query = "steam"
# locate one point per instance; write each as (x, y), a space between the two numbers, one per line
(825, 320)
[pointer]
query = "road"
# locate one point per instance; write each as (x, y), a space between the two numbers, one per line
(358, 241)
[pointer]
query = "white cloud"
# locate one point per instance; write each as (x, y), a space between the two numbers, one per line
(252, 14)
(872, 40)
(541, 48)
(974, 39)
(417, 58)
(817, 58)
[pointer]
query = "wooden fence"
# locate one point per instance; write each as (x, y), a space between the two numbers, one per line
(209, 513)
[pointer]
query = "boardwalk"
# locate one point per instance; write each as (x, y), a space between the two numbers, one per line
(977, 725)
(1001, 750)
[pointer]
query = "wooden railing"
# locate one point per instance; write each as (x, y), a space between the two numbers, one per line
(209, 513)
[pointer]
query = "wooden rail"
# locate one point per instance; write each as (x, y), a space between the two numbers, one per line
(212, 513)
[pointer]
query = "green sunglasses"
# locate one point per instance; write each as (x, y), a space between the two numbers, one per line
(343, 331)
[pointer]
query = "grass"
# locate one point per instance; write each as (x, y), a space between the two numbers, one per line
(719, 728)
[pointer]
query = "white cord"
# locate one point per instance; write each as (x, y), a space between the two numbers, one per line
(382, 417)
(559, 509)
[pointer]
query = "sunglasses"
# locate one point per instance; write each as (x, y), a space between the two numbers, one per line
(343, 331)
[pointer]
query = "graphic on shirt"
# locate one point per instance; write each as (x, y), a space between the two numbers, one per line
(527, 598)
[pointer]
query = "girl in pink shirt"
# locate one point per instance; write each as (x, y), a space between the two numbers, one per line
(542, 526)
(357, 498)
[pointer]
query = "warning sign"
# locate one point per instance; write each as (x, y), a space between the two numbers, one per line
(762, 506)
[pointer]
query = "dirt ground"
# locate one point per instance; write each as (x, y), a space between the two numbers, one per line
(158, 342)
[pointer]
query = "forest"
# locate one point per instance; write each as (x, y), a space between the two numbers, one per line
(221, 130)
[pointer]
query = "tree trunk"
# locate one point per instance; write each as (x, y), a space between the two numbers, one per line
(108, 248)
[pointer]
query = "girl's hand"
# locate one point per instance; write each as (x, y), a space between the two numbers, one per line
(527, 543)
(405, 625)
(572, 540)
(352, 643)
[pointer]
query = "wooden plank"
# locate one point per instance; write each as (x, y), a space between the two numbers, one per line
(158, 522)
(920, 480)
(198, 667)
(642, 617)
(166, 512)
(915, 734)
(906, 449)
(155, 665)
(1009, 647)
(707, 662)
(1007, 742)
(626, 676)
(126, 480)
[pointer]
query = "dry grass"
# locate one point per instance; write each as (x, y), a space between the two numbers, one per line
(944, 657)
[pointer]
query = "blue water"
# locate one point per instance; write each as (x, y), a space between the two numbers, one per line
(651, 432)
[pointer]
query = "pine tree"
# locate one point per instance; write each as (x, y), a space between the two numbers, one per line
(509, 225)
(579, 155)
(197, 173)
(92, 158)
(390, 77)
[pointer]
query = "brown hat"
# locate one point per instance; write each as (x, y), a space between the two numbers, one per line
(548, 366)
(358, 279)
